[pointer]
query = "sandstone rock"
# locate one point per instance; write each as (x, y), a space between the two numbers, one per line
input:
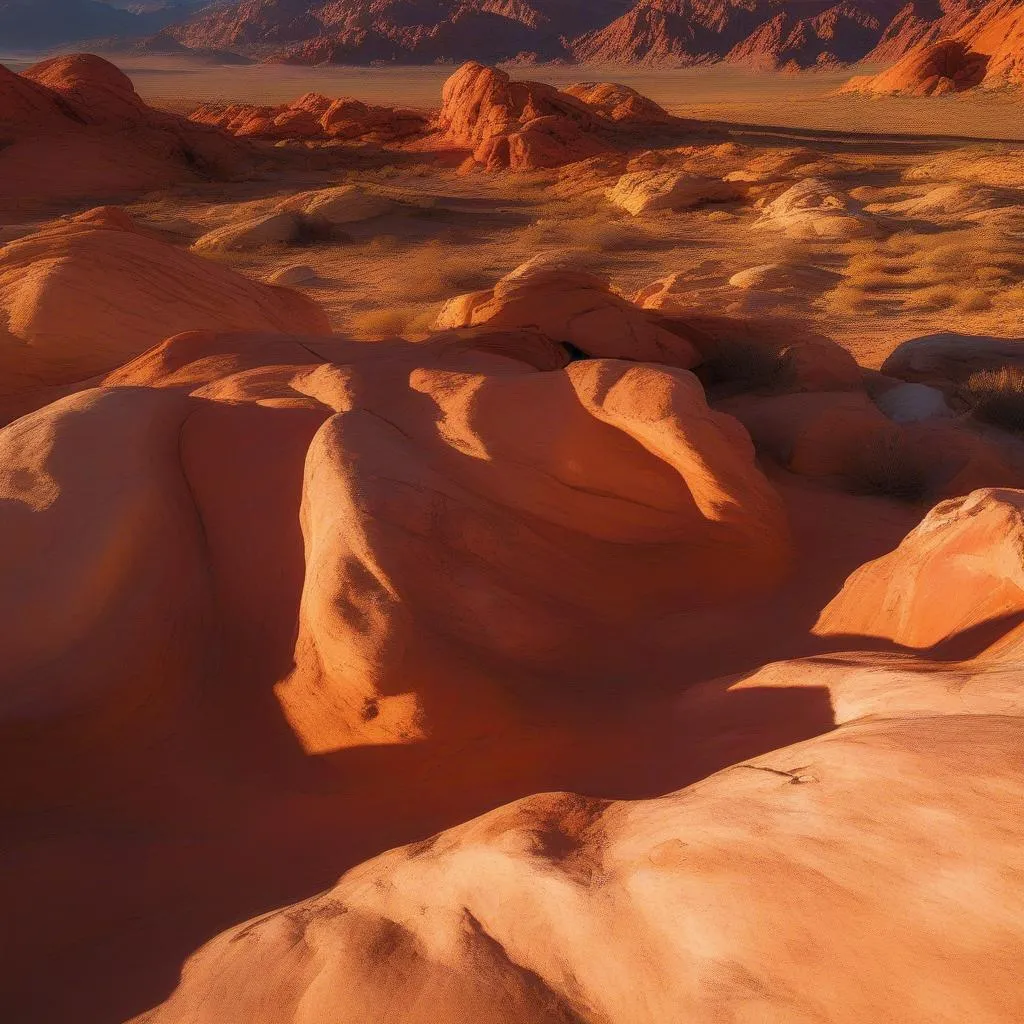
(273, 229)
(619, 103)
(346, 204)
(297, 274)
(519, 914)
(947, 359)
(947, 66)
(574, 307)
(642, 192)
(315, 117)
(80, 299)
(959, 570)
(773, 276)
(814, 209)
(911, 403)
(80, 112)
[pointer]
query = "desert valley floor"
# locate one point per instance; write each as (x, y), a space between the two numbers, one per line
(591, 531)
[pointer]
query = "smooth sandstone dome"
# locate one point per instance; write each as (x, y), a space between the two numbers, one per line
(81, 298)
(81, 112)
(571, 306)
(767, 890)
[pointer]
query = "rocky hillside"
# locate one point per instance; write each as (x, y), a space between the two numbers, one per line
(766, 34)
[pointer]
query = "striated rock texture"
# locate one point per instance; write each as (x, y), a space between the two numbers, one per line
(80, 111)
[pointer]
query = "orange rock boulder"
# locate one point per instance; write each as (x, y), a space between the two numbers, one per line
(82, 297)
(74, 126)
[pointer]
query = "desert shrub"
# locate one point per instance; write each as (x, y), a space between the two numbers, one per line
(742, 365)
(997, 397)
(434, 271)
(886, 467)
(391, 322)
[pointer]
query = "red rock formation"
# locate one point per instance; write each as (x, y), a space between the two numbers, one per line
(314, 117)
(289, 599)
(530, 125)
(946, 66)
(82, 297)
(79, 111)
(772, 884)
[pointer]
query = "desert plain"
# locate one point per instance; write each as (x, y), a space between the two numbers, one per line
(506, 546)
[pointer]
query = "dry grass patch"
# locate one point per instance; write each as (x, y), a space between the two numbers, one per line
(434, 271)
(391, 322)
(997, 397)
(966, 271)
(887, 467)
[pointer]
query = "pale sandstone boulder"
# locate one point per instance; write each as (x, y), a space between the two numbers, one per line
(814, 209)
(643, 192)
(81, 298)
(290, 277)
(961, 569)
(947, 359)
(271, 229)
(345, 204)
(780, 276)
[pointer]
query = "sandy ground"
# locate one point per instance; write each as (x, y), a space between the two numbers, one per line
(938, 270)
(718, 93)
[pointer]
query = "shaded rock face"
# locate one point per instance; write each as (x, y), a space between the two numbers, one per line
(81, 111)
(947, 66)
(526, 907)
(530, 910)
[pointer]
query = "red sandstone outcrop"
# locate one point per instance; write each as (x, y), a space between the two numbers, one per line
(315, 117)
(83, 297)
(943, 67)
(309, 598)
(530, 125)
(81, 112)
(960, 570)
(762, 880)
(967, 46)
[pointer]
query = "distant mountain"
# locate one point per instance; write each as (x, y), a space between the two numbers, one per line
(42, 24)
(766, 34)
